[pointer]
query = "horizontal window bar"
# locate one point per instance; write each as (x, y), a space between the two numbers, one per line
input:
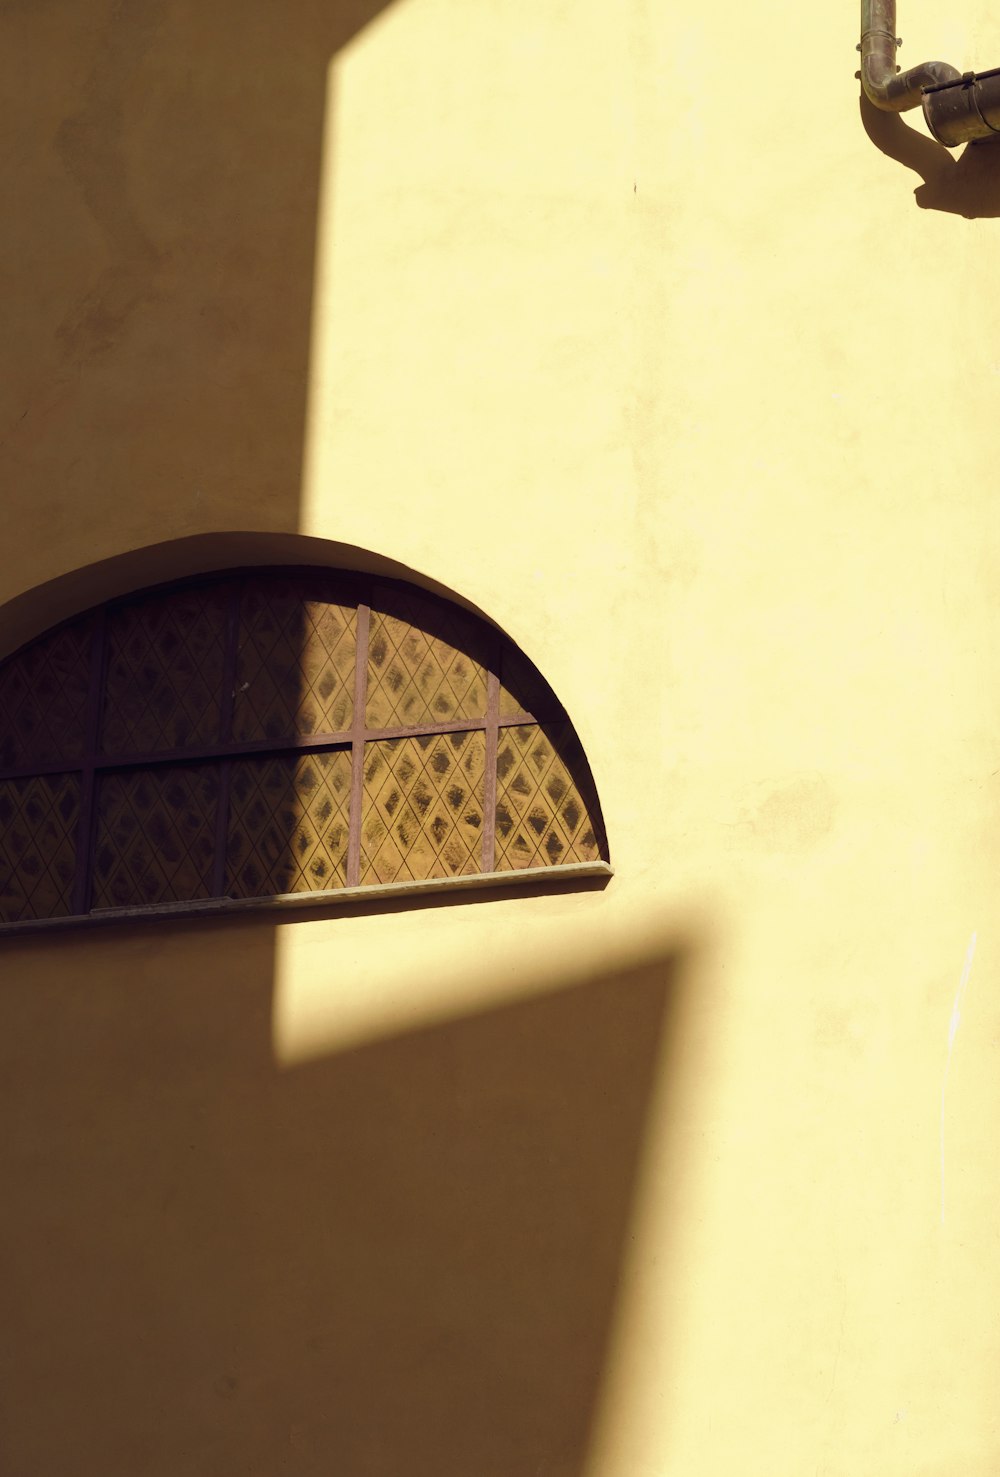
(303, 743)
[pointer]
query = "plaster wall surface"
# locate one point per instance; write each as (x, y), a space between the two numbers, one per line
(627, 326)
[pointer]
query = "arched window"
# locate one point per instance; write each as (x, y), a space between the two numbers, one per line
(265, 733)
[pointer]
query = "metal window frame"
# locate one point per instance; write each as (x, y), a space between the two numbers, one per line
(364, 593)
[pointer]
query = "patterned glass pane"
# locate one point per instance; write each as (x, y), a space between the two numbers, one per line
(426, 665)
(165, 662)
(43, 698)
(545, 815)
(295, 670)
(423, 807)
(38, 821)
(288, 819)
(155, 835)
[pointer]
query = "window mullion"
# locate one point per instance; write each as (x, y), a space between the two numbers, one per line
(226, 705)
(358, 745)
(490, 766)
(88, 776)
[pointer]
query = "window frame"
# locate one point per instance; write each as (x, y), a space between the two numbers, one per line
(347, 587)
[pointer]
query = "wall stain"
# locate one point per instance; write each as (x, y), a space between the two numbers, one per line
(788, 815)
(90, 144)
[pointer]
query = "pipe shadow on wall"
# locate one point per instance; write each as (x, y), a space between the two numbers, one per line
(402, 1258)
(968, 185)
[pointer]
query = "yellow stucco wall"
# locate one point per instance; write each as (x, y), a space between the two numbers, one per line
(615, 321)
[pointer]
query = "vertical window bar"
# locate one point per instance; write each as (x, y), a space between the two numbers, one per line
(490, 770)
(358, 746)
(225, 737)
(88, 781)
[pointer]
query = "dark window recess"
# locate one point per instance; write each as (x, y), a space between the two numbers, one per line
(265, 733)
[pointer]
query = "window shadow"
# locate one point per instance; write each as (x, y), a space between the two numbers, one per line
(968, 185)
(399, 1258)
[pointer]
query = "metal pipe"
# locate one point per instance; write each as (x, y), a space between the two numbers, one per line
(884, 84)
(959, 107)
(965, 111)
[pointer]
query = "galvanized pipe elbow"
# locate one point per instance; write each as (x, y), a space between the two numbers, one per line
(884, 84)
(959, 108)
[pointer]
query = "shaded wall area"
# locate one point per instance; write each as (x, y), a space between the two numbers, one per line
(400, 1258)
(161, 177)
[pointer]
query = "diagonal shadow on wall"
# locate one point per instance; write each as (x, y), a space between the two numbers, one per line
(400, 1258)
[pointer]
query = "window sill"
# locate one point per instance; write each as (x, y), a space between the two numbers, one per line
(530, 879)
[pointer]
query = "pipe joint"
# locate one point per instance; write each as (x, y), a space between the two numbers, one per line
(958, 108)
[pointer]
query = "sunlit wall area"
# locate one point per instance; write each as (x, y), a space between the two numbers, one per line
(630, 331)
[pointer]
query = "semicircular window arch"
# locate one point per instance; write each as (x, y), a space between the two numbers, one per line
(272, 733)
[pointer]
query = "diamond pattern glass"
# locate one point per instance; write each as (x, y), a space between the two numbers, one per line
(155, 835)
(543, 818)
(43, 698)
(288, 823)
(295, 669)
(425, 666)
(38, 823)
(165, 661)
(196, 789)
(422, 810)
